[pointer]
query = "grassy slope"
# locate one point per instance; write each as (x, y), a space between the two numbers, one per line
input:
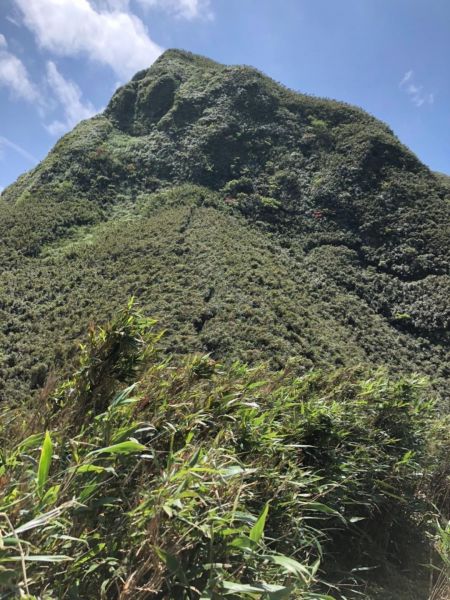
(205, 481)
(217, 284)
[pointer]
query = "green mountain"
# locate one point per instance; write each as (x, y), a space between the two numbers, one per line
(254, 222)
(256, 225)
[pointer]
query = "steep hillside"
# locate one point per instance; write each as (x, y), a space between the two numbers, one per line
(254, 222)
(280, 439)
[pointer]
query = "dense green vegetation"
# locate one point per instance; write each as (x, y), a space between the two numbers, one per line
(231, 290)
(165, 479)
(309, 233)
(258, 226)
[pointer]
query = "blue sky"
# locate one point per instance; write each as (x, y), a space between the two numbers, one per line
(60, 60)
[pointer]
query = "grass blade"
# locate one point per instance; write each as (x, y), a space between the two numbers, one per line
(44, 463)
(257, 530)
(122, 448)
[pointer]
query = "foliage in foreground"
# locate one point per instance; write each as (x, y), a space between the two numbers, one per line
(147, 478)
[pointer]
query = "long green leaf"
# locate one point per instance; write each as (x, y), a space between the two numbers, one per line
(229, 587)
(44, 463)
(123, 448)
(291, 566)
(124, 397)
(257, 530)
(92, 469)
(50, 558)
(45, 518)
(31, 442)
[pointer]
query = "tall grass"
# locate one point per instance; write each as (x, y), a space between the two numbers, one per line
(161, 479)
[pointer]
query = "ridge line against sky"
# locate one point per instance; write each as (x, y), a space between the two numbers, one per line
(60, 60)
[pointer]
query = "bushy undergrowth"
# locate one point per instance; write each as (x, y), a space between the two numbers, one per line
(146, 477)
(222, 285)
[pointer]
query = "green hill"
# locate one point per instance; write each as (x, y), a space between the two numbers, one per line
(311, 233)
(257, 225)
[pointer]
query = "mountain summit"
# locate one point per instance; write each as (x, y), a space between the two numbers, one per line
(258, 222)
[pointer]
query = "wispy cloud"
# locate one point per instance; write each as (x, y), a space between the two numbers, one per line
(12, 20)
(416, 92)
(184, 9)
(14, 74)
(68, 95)
(6, 143)
(103, 31)
(108, 34)
(121, 5)
(61, 92)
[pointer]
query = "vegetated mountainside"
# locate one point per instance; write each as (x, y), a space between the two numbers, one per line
(169, 478)
(311, 234)
(257, 225)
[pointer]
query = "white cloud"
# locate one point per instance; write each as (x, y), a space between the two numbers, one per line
(6, 143)
(407, 76)
(120, 5)
(416, 92)
(68, 95)
(103, 31)
(185, 9)
(14, 75)
(12, 20)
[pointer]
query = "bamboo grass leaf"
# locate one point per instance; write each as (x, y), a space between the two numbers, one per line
(49, 558)
(45, 518)
(44, 463)
(128, 447)
(257, 530)
(291, 565)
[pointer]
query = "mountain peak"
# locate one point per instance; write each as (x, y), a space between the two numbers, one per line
(173, 59)
(151, 93)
